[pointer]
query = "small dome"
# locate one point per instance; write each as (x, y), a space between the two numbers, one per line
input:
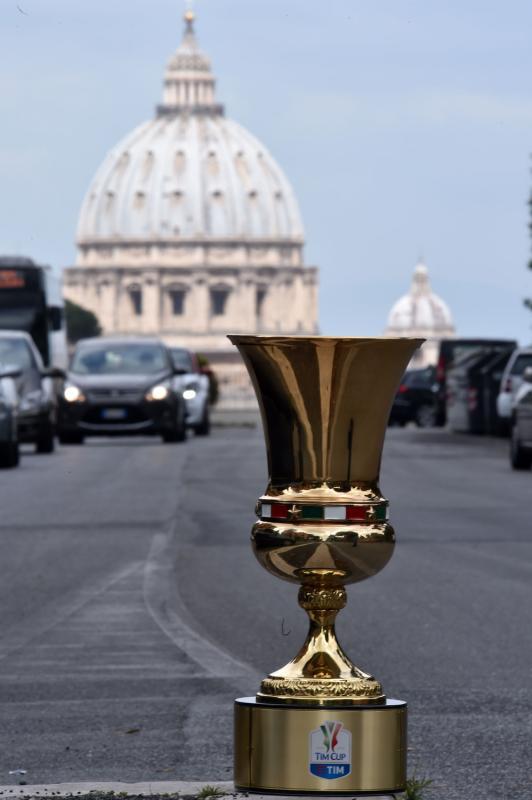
(420, 312)
(189, 173)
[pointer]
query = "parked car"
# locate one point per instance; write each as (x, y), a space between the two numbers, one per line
(472, 380)
(521, 431)
(194, 386)
(491, 376)
(452, 350)
(511, 381)
(121, 386)
(37, 402)
(9, 452)
(415, 400)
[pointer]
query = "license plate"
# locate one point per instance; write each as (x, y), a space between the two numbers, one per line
(114, 413)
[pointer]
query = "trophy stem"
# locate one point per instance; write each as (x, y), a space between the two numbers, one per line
(321, 673)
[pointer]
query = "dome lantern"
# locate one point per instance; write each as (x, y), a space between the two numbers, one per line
(189, 85)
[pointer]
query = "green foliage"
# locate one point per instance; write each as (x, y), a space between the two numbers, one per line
(415, 788)
(80, 323)
(209, 791)
(214, 387)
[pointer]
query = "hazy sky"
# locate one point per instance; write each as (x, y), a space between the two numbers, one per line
(404, 126)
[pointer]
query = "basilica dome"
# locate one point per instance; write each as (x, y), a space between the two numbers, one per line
(190, 173)
(190, 229)
(421, 313)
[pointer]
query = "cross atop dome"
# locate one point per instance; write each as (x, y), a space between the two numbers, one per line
(188, 82)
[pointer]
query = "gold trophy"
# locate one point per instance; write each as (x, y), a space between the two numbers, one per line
(320, 724)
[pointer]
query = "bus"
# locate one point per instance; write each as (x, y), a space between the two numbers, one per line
(31, 301)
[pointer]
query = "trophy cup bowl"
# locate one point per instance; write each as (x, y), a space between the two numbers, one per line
(323, 523)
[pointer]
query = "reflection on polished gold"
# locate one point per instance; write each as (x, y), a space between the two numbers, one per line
(325, 404)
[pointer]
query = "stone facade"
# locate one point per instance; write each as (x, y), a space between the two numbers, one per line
(190, 231)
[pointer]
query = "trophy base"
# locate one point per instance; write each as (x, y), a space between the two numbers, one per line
(315, 750)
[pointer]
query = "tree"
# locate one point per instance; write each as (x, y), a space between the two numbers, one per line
(80, 322)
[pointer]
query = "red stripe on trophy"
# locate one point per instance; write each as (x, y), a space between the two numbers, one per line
(280, 510)
(357, 513)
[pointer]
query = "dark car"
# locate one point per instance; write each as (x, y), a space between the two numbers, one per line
(37, 401)
(415, 400)
(121, 387)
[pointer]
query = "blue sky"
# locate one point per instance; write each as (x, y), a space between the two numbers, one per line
(405, 128)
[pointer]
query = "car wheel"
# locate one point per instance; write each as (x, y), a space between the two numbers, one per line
(70, 438)
(177, 434)
(426, 416)
(45, 440)
(204, 427)
(9, 455)
(519, 457)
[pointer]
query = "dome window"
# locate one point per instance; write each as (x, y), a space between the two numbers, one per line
(218, 194)
(140, 197)
(148, 164)
(253, 194)
(219, 297)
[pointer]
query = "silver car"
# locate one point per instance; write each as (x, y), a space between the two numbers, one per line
(194, 386)
(511, 380)
(521, 437)
(9, 452)
(37, 407)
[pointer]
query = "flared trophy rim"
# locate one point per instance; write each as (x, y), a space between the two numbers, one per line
(246, 338)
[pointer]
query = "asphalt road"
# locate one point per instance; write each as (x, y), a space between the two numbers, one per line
(132, 611)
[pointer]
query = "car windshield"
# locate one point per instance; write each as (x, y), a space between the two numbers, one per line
(182, 359)
(17, 352)
(521, 363)
(120, 359)
(418, 378)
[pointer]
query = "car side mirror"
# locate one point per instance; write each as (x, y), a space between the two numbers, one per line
(53, 372)
(527, 374)
(10, 371)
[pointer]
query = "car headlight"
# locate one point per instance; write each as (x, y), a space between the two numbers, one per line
(73, 394)
(158, 392)
(189, 394)
(31, 400)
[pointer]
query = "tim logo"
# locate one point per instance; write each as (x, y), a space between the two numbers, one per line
(330, 751)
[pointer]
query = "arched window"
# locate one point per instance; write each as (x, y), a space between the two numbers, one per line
(177, 301)
(135, 296)
(219, 295)
(259, 300)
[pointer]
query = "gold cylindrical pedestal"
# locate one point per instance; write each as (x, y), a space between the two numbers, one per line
(308, 750)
